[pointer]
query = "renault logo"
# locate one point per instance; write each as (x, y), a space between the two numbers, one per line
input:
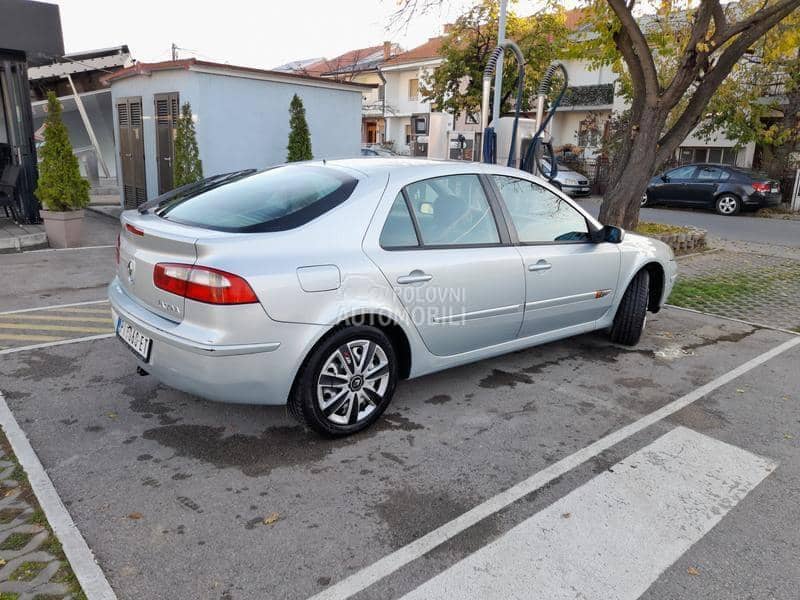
(131, 269)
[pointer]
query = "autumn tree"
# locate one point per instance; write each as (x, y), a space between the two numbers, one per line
(702, 43)
(455, 86)
(674, 70)
(760, 101)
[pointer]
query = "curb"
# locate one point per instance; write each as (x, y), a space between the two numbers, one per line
(80, 557)
(98, 211)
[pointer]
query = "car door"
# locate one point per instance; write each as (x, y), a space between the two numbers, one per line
(672, 187)
(705, 183)
(570, 280)
(451, 266)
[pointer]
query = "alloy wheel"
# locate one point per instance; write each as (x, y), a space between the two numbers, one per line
(353, 382)
(644, 200)
(727, 205)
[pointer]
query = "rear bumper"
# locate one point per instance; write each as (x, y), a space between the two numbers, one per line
(260, 373)
(759, 200)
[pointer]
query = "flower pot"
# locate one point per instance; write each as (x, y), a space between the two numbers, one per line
(63, 229)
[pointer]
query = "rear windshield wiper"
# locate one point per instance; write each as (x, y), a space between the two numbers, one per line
(192, 189)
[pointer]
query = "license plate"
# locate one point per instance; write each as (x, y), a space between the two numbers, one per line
(135, 339)
(774, 189)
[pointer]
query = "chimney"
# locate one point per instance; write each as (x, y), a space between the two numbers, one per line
(387, 50)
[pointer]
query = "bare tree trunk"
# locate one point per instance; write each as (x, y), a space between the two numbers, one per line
(628, 179)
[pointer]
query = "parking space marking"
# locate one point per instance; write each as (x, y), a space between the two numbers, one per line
(88, 338)
(92, 579)
(53, 307)
(613, 536)
(399, 558)
(86, 319)
(55, 325)
(48, 327)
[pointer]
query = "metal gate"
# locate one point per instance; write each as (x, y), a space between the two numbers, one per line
(166, 106)
(131, 151)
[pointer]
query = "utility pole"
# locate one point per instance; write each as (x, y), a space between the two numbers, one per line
(174, 51)
(498, 75)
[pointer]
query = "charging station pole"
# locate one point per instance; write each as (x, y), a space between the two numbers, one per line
(498, 75)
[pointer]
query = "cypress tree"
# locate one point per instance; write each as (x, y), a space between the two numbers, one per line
(60, 186)
(188, 167)
(299, 147)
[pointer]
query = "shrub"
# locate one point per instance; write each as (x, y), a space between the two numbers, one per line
(299, 147)
(188, 166)
(60, 187)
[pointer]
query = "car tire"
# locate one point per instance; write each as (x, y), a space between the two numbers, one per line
(644, 201)
(338, 360)
(728, 205)
(632, 311)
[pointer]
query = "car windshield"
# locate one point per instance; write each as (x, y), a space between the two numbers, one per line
(273, 200)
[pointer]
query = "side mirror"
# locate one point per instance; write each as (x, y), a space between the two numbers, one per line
(609, 233)
(664, 178)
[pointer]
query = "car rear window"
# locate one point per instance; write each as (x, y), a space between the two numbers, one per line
(273, 200)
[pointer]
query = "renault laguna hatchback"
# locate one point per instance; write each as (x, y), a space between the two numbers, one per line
(321, 285)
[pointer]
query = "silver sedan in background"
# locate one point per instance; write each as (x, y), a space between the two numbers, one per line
(323, 284)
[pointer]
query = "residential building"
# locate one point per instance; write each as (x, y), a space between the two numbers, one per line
(362, 66)
(241, 117)
(30, 34)
(403, 74)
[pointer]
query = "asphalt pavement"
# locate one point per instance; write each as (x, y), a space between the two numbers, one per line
(575, 469)
(741, 227)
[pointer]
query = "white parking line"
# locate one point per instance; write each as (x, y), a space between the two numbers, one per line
(396, 560)
(81, 559)
(613, 536)
(88, 338)
(70, 249)
(52, 307)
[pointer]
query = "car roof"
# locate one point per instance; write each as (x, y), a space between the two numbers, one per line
(375, 166)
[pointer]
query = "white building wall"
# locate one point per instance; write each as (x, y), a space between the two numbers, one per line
(243, 122)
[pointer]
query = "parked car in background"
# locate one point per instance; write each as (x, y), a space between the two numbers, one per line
(323, 284)
(373, 150)
(570, 182)
(724, 188)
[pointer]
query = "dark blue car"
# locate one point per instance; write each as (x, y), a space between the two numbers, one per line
(723, 188)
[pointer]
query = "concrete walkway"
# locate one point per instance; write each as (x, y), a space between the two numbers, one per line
(16, 238)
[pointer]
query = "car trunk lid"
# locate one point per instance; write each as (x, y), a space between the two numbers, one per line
(146, 240)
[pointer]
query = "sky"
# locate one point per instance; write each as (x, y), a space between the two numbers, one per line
(257, 33)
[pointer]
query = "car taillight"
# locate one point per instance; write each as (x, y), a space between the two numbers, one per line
(760, 186)
(116, 252)
(203, 284)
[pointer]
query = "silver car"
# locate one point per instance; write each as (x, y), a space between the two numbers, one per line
(321, 285)
(572, 183)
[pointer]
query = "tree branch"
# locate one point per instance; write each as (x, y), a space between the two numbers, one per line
(711, 81)
(692, 60)
(782, 7)
(640, 53)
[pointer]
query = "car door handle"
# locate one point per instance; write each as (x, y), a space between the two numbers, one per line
(414, 277)
(542, 265)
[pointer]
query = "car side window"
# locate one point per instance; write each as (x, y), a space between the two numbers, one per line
(539, 215)
(724, 175)
(452, 211)
(709, 173)
(398, 230)
(681, 172)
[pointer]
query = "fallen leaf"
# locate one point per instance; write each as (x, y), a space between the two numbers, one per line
(271, 518)
(788, 436)
(739, 391)
(112, 415)
(135, 515)
(566, 515)
(692, 571)
(2, 562)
